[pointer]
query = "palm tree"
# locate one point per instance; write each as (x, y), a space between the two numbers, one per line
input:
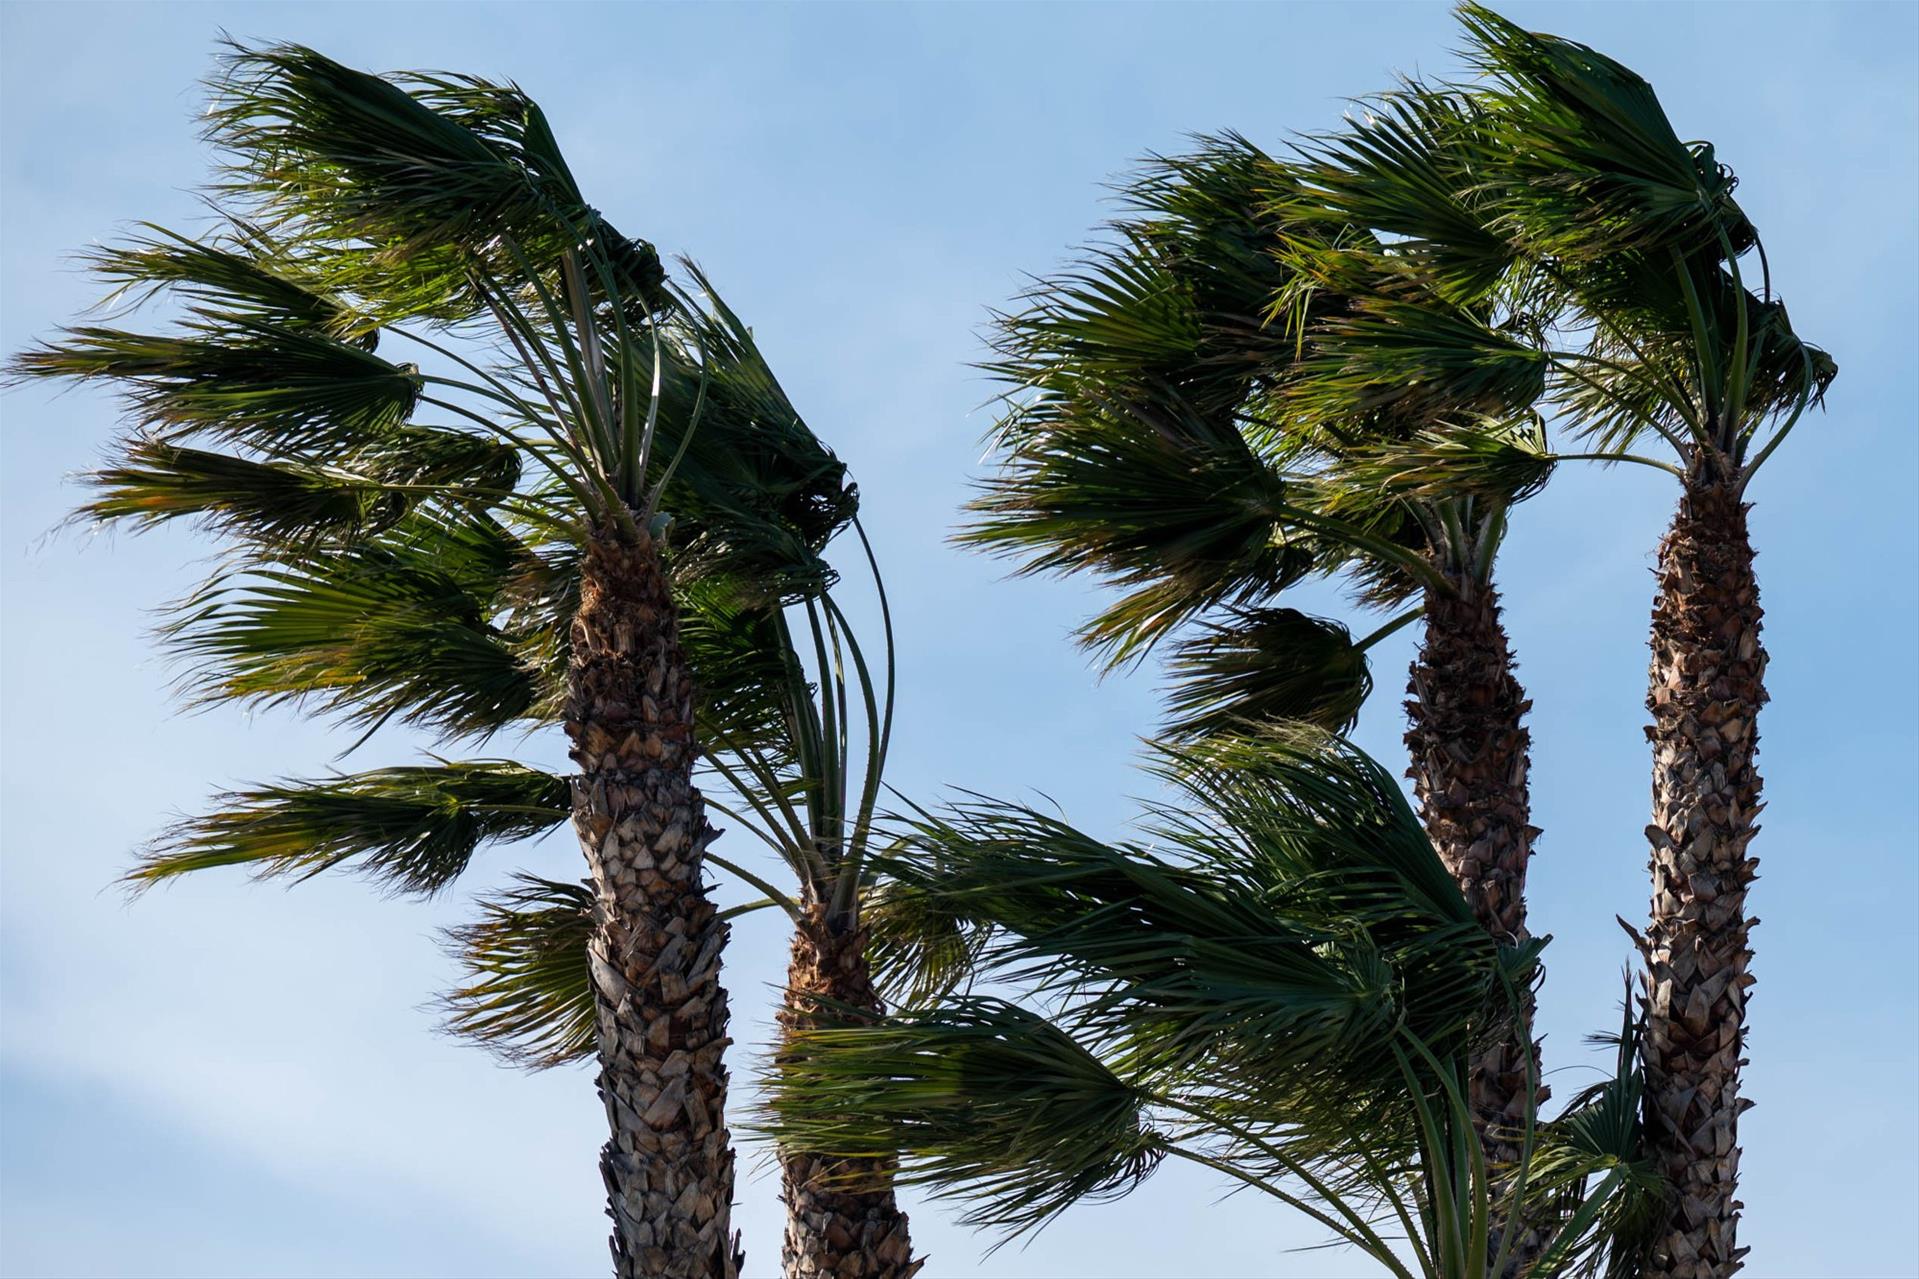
(1641, 232)
(1189, 422)
(1636, 246)
(501, 536)
(1280, 982)
(775, 737)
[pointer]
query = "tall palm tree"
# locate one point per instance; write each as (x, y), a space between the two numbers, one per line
(1642, 257)
(1189, 422)
(503, 535)
(776, 727)
(1641, 232)
(1279, 981)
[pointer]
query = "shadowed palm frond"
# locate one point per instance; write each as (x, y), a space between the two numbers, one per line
(413, 829)
(1265, 666)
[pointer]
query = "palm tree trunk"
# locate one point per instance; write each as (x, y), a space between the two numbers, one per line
(842, 1220)
(1708, 683)
(668, 1164)
(1469, 766)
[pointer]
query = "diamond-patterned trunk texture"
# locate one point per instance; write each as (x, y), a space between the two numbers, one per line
(1708, 683)
(668, 1164)
(1469, 766)
(842, 1220)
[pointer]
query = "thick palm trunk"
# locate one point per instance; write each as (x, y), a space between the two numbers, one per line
(668, 1164)
(842, 1220)
(1707, 686)
(1469, 766)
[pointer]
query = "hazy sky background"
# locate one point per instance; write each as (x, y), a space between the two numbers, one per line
(233, 1079)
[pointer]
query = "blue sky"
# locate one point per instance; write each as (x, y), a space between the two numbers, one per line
(233, 1079)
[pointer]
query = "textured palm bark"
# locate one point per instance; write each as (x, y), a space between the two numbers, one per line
(668, 1164)
(842, 1219)
(1469, 772)
(1707, 685)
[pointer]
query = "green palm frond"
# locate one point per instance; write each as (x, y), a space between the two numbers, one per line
(402, 187)
(1503, 462)
(241, 275)
(1152, 498)
(407, 624)
(368, 489)
(529, 992)
(1280, 983)
(255, 383)
(1265, 666)
(1589, 163)
(753, 492)
(1176, 302)
(1399, 349)
(994, 1103)
(1406, 170)
(1239, 936)
(921, 946)
(414, 828)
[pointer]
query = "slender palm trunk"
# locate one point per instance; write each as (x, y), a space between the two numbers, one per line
(1708, 683)
(842, 1220)
(668, 1164)
(1469, 766)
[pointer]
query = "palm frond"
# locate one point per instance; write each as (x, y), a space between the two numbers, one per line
(401, 187)
(412, 828)
(153, 480)
(529, 992)
(994, 1103)
(753, 493)
(241, 275)
(1503, 462)
(1182, 514)
(1265, 666)
(255, 383)
(408, 624)
(1588, 163)
(1407, 170)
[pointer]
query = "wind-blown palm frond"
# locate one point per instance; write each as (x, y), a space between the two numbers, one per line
(1589, 162)
(1283, 986)
(412, 828)
(1404, 168)
(1180, 513)
(529, 995)
(754, 493)
(995, 1104)
(407, 183)
(366, 491)
(405, 624)
(257, 384)
(242, 276)
(1500, 462)
(1266, 666)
